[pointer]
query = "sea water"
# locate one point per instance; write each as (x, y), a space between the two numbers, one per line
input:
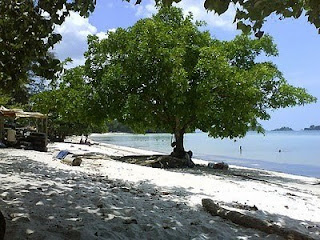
(295, 152)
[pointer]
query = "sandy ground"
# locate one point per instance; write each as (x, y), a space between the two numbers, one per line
(43, 198)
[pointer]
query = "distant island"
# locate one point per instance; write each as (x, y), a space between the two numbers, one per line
(283, 129)
(312, 127)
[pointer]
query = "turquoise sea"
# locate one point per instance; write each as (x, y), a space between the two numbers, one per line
(295, 152)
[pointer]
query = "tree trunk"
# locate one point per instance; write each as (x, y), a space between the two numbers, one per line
(179, 140)
(178, 150)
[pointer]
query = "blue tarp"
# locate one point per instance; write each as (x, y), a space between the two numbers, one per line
(62, 154)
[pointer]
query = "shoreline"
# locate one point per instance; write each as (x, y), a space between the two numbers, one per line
(198, 161)
(305, 170)
(108, 199)
(119, 150)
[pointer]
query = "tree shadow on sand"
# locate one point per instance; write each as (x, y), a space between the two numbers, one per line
(41, 202)
(246, 174)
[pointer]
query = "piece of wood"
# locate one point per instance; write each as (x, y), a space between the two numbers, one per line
(72, 161)
(252, 222)
(2, 226)
(1, 128)
(155, 161)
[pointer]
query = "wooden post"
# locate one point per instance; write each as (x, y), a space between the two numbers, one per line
(1, 127)
(46, 126)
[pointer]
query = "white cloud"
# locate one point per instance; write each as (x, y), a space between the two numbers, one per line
(75, 62)
(224, 21)
(145, 9)
(103, 35)
(75, 31)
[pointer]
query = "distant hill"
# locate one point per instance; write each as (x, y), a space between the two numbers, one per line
(312, 127)
(283, 129)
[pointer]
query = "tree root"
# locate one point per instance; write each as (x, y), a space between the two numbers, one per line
(252, 222)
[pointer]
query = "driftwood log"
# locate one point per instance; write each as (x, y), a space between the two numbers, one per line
(2, 226)
(168, 162)
(72, 161)
(156, 161)
(252, 222)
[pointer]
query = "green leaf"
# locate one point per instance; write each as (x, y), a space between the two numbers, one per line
(243, 27)
(219, 6)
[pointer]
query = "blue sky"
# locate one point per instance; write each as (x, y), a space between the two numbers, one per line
(298, 44)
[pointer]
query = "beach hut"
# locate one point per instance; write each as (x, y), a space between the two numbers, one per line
(36, 138)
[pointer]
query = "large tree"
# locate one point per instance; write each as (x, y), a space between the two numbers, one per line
(26, 37)
(251, 14)
(163, 73)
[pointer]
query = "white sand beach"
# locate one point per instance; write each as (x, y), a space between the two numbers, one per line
(42, 198)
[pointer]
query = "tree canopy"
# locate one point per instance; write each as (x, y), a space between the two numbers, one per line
(251, 14)
(26, 37)
(27, 31)
(163, 73)
(67, 106)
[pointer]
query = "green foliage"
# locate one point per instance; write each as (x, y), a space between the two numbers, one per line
(67, 106)
(4, 99)
(115, 126)
(26, 32)
(163, 73)
(251, 14)
(26, 36)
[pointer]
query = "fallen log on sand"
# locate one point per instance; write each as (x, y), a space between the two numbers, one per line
(156, 161)
(252, 222)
